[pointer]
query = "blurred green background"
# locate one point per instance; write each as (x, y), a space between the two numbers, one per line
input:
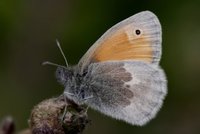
(28, 29)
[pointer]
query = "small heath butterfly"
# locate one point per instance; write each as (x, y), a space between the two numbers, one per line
(120, 74)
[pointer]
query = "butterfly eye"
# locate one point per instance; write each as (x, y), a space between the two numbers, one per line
(138, 32)
(59, 72)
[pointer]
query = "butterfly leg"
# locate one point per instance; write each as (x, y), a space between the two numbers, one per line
(71, 94)
(65, 99)
(85, 99)
(65, 109)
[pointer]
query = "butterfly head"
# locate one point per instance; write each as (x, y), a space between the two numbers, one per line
(63, 75)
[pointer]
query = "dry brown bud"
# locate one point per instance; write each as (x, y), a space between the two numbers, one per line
(50, 117)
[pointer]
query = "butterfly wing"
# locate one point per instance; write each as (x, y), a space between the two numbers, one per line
(123, 75)
(136, 38)
(132, 91)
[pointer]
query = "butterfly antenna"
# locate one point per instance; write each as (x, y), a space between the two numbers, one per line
(58, 44)
(52, 64)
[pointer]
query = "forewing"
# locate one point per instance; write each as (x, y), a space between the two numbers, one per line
(132, 91)
(124, 42)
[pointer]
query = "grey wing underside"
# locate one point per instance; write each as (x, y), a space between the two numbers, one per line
(132, 91)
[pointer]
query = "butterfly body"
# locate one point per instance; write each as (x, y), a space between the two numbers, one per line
(120, 74)
(75, 83)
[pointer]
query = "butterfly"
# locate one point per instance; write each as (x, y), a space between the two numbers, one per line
(120, 74)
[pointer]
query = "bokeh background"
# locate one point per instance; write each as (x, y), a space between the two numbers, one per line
(28, 29)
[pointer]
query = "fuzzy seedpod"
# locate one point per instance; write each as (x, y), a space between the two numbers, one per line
(58, 116)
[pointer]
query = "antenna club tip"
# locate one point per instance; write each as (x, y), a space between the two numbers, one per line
(44, 63)
(57, 42)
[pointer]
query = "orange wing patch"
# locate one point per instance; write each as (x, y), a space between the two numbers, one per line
(124, 45)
